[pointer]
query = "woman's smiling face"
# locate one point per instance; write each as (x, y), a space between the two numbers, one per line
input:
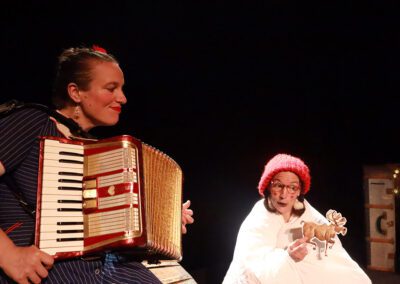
(101, 103)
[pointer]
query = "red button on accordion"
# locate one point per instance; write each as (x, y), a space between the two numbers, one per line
(109, 194)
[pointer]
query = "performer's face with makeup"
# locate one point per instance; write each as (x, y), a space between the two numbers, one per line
(285, 188)
(101, 103)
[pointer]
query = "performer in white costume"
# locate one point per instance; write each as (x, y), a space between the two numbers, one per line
(270, 247)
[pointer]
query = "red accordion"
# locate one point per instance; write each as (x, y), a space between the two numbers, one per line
(110, 194)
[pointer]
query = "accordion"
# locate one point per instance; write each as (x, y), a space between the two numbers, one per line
(106, 195)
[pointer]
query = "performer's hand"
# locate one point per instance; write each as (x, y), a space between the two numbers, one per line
(26, 264)
(186, 216)
(298, 249)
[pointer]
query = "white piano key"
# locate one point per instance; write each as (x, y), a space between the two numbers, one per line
(51, 183)
(56, 244)
(63, 152)
(60, 165)
(59, 150)
(55, 170)
(55, 205)
(63, 148)
(54, 190)
(55, 176)
(44, 236)
(55, 213)
(55, 198)
(53, 228)
(57, 144)
(60, 155)
(66, 148)
(53, 220)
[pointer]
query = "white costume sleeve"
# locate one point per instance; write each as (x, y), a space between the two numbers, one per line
(256, 258)
(260, 254)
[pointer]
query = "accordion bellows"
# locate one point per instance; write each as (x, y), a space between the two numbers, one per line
(110, 194)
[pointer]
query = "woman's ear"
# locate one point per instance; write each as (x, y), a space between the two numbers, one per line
(73, 92)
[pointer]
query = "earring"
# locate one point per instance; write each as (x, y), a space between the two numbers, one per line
(270, 203)
(298, 205)
(77, 112)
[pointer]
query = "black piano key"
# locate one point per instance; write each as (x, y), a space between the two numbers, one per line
(69, 188)
(69, 180)
(70, 174)
(69, 201)
(70, 154)
(69, 239)
(69, 223)
(69, 231)
(69, 209)
(70, 161)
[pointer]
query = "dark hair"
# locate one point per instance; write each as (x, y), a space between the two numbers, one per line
(74, 66)
(296, 212)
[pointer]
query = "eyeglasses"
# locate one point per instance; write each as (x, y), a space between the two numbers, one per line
(277, 186)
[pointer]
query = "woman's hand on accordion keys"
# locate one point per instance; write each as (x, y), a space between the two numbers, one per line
(187, 216)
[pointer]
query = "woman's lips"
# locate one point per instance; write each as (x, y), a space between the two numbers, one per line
(117, 109)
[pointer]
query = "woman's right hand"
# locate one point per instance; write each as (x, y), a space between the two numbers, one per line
(298, 249)
(26, 264)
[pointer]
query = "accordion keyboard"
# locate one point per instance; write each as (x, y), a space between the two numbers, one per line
(61, 225)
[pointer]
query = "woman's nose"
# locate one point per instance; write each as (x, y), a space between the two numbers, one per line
(284, 192)
(121, 98)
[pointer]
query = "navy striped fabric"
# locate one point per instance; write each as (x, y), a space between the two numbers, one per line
(19, 154)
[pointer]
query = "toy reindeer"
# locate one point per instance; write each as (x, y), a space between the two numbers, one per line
(324, 232)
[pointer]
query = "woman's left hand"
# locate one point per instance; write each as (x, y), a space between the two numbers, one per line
(187, 216)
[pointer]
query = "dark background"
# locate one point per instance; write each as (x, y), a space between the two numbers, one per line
(223, 86)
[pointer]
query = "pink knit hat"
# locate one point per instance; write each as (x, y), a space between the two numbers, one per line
(281, 163)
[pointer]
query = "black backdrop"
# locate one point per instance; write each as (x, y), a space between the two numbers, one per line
(222, 87)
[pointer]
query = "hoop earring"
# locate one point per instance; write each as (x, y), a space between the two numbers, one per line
(298, 205)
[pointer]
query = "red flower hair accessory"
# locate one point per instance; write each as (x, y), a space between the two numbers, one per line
(99, 49)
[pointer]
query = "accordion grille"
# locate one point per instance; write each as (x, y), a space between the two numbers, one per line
(163, 194)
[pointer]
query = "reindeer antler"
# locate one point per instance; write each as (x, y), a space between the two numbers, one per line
(336, 218)
(329, 215)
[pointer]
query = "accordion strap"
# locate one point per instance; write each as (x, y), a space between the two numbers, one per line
(14, 105)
